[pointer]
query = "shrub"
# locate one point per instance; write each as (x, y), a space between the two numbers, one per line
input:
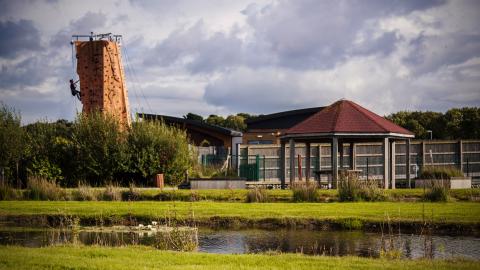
(7, 193)
(112, 193)
(305, 192)
(100, 149)
(257, 195)
(446, 172)
(42, 189)
(84, 192)
(157, 148)
(437, 193)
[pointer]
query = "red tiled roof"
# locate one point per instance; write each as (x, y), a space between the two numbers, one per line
(345, 116)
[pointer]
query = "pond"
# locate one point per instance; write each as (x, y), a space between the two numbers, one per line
(329, 243)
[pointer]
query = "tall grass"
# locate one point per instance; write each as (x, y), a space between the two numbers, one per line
(84, 192)
(8, 193)
(352, 189)
(257, 195)
(112, 192)
(437, 193)
(305, 192)
(42, 189)
(445, 172)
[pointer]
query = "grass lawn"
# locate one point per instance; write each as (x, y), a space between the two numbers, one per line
(452, 212)
(74, 257)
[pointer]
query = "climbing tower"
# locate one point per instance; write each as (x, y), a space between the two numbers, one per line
(102, 77)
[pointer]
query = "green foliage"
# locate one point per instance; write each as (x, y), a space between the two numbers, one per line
(257, 195)
(305, 192)
(457, 123)
(235, 122)
(156, 148)
(100, 148)
(11, 140)
(445, 172)
(43, 189)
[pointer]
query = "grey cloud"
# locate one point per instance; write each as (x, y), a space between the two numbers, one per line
(293, 34)
(18, 37)
(430, 53)
(90, 21)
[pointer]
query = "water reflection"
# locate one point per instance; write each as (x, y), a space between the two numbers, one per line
(330, 243)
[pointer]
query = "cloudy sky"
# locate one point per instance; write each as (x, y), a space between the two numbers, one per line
(224, 57)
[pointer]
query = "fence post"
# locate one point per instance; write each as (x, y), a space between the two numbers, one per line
(264, 169)
(460, 155)
(299, 167)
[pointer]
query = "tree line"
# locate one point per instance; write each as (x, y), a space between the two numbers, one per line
(456, 123)
(92, 149)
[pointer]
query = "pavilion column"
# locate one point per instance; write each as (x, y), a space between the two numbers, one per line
(386, 161)
(407, 161)
(307, 162)
(340, 148)
(292, 162)
(353, 153)
(283, 168)
(334, 157)
(392, 165)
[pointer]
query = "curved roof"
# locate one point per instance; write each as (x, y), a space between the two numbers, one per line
(347, 117)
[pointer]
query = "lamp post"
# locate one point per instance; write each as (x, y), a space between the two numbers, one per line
(431, 134)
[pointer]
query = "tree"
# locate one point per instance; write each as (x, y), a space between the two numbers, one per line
(157, 148)
(11, 142)
(235, 122)
(192, 116)
(217, 120)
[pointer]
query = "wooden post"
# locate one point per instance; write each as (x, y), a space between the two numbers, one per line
(386, 160)
(292, 162)
(353, 153)
(334, 157)
(283, 168)
(392, 165)
(407, 159)
(307, 162)
(299, 167)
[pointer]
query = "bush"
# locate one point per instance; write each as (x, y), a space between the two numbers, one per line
(112, 193)
(437, 193)
(100, 148)
(305, 192)
(257, 195)
(84, 192)
(42, 189)
(157, 148)
(446, 172)
(7, 193)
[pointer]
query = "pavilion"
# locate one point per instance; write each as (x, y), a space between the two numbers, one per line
(345, 122)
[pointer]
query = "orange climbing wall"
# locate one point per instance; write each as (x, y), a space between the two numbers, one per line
(102, 79)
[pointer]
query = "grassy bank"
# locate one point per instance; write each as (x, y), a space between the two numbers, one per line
(456, 215)
(240, 195)
(69, 257)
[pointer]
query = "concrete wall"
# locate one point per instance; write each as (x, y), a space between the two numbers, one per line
(454, 183)
(217, 184)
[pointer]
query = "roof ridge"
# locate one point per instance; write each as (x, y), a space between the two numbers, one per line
(354, 105)
(337, 114)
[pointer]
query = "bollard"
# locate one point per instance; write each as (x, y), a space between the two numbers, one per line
(159, 180)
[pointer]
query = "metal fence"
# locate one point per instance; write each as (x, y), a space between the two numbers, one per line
(265, 159)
